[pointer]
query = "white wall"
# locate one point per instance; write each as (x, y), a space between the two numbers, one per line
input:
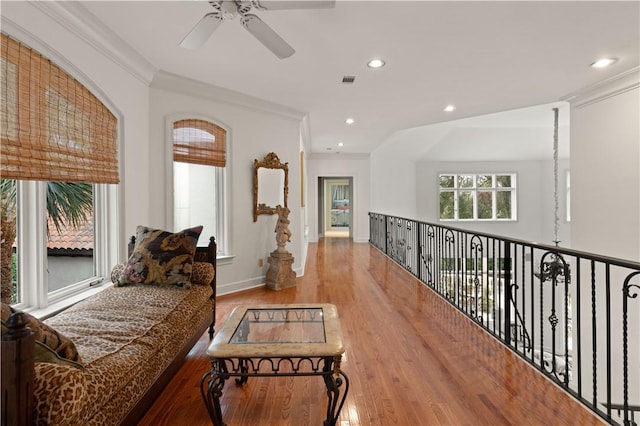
(340, 165)
(605, 169)
(393, 178)
(254, 129)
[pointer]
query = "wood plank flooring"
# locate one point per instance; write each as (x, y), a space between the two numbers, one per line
(412, 359)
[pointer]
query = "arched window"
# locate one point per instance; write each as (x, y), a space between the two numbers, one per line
(58, 157)
(199, 160)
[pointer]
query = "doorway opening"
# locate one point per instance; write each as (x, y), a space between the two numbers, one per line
(335, 207)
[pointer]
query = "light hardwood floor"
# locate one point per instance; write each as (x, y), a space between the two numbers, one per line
(412, 359)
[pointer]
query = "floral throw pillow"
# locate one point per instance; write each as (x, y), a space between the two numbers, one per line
(161, 257)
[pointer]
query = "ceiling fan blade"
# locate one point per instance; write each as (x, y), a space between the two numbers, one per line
(295, 4)
(202, 31)
(267, 36)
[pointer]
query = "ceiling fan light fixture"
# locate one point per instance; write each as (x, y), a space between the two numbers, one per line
(376, 63)
(229, 9)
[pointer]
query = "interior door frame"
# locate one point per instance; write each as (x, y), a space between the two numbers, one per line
(322, 180)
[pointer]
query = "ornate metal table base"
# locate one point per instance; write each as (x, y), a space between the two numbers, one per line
(222, 369)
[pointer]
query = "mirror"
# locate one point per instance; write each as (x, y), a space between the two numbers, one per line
(270, 185)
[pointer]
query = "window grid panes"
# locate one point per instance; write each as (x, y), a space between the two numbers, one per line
(477, 196)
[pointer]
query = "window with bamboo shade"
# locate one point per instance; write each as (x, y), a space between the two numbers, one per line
(199, 160)
(52, 127)
(199, 142)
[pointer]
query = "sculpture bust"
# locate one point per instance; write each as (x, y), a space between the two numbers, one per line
(280, 275)
(283, 234)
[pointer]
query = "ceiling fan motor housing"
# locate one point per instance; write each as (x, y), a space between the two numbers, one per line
(229, 9)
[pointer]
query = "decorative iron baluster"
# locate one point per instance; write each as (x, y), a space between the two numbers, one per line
(629, 291)
(554, 270)
(449, 266)
(526, 339)
(476, 253)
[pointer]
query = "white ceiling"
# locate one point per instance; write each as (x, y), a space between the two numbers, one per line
(484, 57)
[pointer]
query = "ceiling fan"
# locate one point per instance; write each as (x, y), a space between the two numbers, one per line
(229, 9)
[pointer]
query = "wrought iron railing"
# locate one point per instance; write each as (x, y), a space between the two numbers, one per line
(574, 316)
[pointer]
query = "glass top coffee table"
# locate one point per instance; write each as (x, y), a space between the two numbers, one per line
(277, 340)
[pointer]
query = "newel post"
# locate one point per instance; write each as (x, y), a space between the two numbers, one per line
(17, 372)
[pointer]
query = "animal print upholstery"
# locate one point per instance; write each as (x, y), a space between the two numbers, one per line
(59, 394)
(126, 336)
(203, 273)
(117, 271)
(51, 345)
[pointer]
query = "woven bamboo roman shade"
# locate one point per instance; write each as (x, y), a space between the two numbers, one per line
(52, 127)
(199, 142)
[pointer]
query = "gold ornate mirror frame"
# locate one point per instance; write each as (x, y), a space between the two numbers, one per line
(272, 162)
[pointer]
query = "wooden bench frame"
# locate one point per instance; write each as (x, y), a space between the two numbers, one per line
(18, 362)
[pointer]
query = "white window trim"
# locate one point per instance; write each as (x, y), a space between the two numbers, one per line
(31, 233)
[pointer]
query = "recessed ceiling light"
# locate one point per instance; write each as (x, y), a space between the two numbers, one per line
(340, 144)
(375, 63)
(349, 120)
(450, 108)
(603, 62)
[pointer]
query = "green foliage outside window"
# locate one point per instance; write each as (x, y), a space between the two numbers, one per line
(447, 210)
(465, 205)
(472, 264)
(447, 181)
(503, 199)
(485, 206)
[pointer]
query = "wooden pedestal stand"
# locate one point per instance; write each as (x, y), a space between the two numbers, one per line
(280, 275)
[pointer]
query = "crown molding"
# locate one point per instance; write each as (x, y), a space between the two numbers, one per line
(79, 21)
(183, 85)
(605, 89)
